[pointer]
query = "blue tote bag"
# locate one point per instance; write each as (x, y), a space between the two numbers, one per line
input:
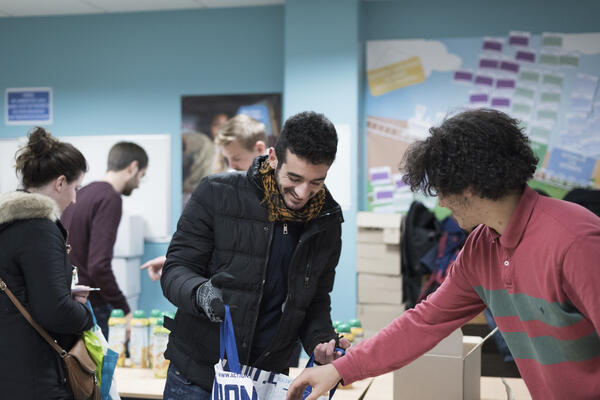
(236, 381)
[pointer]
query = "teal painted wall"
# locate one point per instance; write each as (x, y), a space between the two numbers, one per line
(404, 19)
(321, 73)
(126, 73)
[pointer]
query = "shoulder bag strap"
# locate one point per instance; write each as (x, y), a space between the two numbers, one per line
(27, 316)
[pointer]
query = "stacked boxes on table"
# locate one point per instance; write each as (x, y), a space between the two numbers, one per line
(378, 267)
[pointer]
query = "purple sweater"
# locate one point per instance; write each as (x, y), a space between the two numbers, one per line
(92, 223)
(540, 280)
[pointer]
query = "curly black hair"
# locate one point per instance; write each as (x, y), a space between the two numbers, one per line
(482, 149)
(308, 135)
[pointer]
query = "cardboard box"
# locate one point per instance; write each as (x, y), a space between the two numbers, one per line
(375, 317)
(378, 258)
(451, 370)
(386, 289)
(378, 228)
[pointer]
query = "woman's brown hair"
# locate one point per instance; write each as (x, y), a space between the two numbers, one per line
(45, 158)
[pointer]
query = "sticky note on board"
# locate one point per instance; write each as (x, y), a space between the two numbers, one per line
(395, 76)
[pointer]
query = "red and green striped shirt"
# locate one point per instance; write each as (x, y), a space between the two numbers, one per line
(541, 281)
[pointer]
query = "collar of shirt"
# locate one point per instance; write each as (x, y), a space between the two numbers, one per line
(520, 218)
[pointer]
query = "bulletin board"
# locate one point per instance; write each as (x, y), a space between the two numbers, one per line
(152, 199)
(548, 81)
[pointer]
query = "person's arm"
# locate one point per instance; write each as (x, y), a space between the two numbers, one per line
(186, 267)
(42, 257)
(103, 234)
(581, 277)
(416, 331)
(154, 267)
(317, 327)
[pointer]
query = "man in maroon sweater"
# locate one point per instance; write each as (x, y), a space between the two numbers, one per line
(93, 221)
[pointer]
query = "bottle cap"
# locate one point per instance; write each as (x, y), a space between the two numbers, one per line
(343, 328)
(139, 314)
(336, 323)
(117, 313)
(355, 323)
(155, 313)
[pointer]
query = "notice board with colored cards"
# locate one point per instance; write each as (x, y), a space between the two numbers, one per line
(549, 81)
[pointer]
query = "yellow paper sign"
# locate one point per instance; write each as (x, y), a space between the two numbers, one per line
(395, 76)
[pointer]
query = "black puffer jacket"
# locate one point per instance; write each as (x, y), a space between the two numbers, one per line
(224, 228)
(35, 267)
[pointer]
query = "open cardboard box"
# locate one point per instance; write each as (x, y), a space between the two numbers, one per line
(451, 370)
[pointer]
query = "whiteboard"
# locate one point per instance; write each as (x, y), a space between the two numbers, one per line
(152, 200)
(339, 176)
(8, 177)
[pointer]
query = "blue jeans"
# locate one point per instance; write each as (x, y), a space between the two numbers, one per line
(178, 387)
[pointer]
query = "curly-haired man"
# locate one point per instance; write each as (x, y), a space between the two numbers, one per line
(532, 260)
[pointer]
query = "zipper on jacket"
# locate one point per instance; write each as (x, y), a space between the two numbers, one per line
(307, 275)
(262, 290)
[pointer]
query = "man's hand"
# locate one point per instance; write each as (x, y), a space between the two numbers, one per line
(209, 296)
(325, 352)
(322, 379)
(155, 267)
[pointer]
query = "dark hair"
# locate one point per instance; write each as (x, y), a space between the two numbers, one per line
(45, 158)
(483, 149)
(308, 135)
(124, 153)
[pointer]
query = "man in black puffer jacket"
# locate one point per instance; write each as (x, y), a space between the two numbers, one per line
(266, 243)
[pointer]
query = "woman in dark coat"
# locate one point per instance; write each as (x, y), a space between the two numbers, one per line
(35, 266)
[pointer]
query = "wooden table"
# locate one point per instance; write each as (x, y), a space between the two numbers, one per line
(140, 383)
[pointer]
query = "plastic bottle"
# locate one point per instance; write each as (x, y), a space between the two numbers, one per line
(160, 336)
(155, 315)
(356, 328)
(344, 331)
(138, 344)
(117, 334)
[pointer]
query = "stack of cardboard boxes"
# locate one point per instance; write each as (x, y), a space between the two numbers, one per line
(378, 267)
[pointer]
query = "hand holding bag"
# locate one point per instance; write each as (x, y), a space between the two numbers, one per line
(81, 370)
(233, 380)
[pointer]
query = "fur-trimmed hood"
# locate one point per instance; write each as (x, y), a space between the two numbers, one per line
(16, 206)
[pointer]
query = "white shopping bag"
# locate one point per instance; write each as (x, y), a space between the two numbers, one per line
(235, 381)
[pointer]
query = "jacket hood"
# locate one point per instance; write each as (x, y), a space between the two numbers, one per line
(330, 206)
(16, 206)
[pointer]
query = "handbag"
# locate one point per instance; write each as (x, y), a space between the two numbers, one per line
(233, 380)
(81, 370)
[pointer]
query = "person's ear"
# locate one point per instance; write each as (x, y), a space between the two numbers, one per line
(60, 183)
(260, 147)
(133, 167)
(272, 158)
